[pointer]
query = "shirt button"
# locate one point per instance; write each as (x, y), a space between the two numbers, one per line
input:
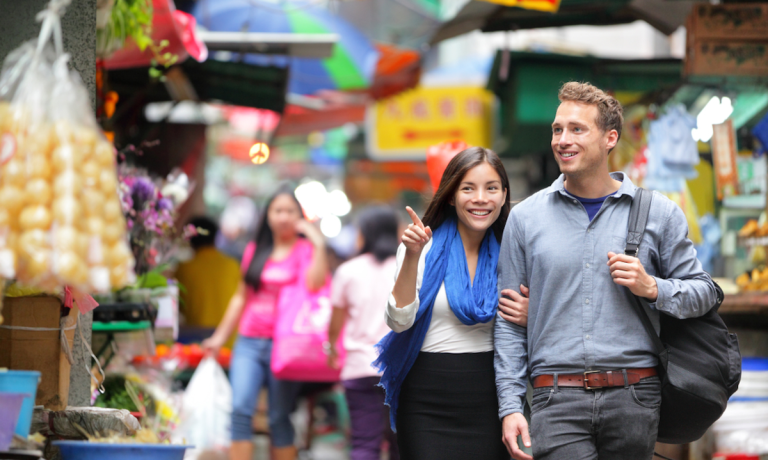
(589, 230)
(586, 300)
(576, 201)
(587, 265)
(589, 336)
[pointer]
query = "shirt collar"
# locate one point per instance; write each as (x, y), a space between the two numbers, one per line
(627, 187)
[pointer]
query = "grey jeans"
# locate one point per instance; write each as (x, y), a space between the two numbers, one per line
(619, 423)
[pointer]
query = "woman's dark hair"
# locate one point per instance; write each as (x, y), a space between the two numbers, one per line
(207, 229)
(379, 227)
(265, 241)
(440, 207)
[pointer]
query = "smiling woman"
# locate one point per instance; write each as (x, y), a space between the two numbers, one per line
(438, 362)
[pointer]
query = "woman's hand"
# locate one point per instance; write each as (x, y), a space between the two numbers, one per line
(513, 307)
(311, 232)
(416, 236)
(333, 357)
(212, 345)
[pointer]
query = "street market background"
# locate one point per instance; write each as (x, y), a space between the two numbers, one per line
(210, 105)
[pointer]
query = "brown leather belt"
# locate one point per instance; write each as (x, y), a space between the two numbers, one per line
(593, 380)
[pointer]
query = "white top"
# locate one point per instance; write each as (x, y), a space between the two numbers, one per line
(446, 334)
(361, 286)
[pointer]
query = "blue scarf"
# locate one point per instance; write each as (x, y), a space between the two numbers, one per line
(472, 303)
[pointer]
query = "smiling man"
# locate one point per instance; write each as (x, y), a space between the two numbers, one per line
(596, 392)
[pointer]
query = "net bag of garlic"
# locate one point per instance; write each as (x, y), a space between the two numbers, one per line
(61, 221)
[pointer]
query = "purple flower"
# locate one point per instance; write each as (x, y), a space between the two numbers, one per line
(164, 204)
(142, 191)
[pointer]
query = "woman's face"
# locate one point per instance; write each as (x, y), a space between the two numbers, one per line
(479, 198)
(282, 216)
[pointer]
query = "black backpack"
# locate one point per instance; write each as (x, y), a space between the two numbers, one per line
(700, 362)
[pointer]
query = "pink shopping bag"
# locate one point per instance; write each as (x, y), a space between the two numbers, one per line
(300, 341)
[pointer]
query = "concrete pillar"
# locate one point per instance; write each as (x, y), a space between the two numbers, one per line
(17, 23)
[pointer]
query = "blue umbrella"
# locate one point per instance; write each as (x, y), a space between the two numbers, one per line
(351, 66)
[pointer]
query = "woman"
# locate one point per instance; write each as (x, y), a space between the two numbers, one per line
(287, 248)
(360, 287)
(438, 361)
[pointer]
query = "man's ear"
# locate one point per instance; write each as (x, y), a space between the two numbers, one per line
(612, 138)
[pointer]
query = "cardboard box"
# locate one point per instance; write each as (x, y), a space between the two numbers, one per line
(39, 350)
(726, 58)
(739, 21)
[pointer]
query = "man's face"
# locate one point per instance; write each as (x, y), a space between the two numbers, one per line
(580, 146)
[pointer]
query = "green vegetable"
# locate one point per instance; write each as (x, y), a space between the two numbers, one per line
(132, 19)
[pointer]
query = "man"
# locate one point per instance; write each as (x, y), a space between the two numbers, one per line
(210, 279)
(596, 393)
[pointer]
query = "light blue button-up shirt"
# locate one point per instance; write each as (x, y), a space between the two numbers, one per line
(578, 318)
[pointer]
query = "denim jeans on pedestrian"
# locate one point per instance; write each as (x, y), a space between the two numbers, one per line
(249, 372)
(619, 423)
(369, 418)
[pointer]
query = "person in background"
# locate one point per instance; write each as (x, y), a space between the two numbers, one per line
(359, 291)
(209, 279)
(287, 247)
(238, 224)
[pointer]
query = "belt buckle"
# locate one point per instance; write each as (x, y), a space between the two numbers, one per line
(586, 382)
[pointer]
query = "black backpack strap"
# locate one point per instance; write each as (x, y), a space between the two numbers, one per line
(638, 218)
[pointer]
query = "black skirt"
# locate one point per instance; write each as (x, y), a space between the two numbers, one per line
(449, 410)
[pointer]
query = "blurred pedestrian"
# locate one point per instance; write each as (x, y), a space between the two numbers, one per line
(438, 359)
(209, 279)
(359, 291)
(286, 247)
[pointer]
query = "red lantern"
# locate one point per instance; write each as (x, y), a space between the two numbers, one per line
(438, 157)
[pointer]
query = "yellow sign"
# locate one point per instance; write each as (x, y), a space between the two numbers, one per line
(539, 5)
(402, 127)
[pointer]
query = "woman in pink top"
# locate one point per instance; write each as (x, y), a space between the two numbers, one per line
(286, 247)
(359, 293)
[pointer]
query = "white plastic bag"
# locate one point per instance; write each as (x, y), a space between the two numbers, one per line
(206, 408)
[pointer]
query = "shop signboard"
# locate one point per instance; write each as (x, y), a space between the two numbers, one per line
(404, 126)
(550, 6)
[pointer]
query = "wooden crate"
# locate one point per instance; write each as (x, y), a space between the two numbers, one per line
(38, 350)
(726, 58)
(734, 21)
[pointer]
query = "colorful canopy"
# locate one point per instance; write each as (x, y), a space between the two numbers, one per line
(354, 58)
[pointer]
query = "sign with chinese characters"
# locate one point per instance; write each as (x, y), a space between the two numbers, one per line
(724, 158)
(404, 126)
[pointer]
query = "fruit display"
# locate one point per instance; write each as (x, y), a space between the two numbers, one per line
(753, 230)
(756, 280)
(61, 220)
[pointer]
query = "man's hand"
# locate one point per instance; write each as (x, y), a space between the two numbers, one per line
(628, 271)
(512, 426)
(515, 308)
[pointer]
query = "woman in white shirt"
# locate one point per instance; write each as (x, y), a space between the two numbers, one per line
(438, 361)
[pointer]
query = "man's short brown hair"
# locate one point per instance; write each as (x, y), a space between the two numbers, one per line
(610, 113)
